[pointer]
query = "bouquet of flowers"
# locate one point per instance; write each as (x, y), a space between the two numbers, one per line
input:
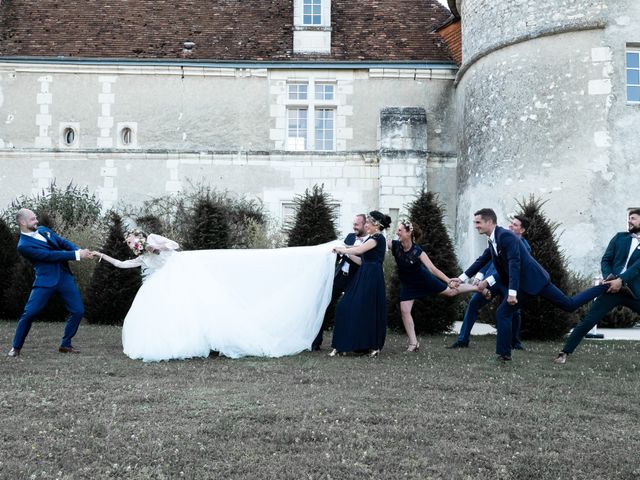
(137, 241)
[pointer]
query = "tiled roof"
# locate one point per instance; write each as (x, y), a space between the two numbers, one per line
(374, 30)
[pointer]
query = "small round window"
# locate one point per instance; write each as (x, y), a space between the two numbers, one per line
(127, 136)
(69, 136)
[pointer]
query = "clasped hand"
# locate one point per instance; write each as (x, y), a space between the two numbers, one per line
(614, 285)
(84, 253)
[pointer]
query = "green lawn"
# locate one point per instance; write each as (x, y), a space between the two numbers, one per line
(437, 414)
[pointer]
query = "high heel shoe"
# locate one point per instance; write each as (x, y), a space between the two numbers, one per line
(374, 353)
(413, 347)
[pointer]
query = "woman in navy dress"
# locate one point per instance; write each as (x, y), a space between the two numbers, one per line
(419, 277)
(361, 314)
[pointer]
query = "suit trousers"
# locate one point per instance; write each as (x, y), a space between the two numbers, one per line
(68, 291)
(569, 304)
(600, 307)
(340, 284)
(550, 292)
(477, 302)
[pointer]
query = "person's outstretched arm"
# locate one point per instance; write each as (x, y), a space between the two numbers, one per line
(426, 261)
(359, 250)
(133, 263)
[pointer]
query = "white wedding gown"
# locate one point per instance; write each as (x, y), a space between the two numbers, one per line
(266, 303)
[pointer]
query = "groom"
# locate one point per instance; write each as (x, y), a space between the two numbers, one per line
(521, 278)
(49, 255)
(345, 270)
(519, 225)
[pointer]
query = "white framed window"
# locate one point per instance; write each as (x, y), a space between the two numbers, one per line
(69, 135)
(311, 12)
(127, 135)
(325, 91)
(297, 91)
(311, 115)
(297, 128)
(325, 128)
(633, 75)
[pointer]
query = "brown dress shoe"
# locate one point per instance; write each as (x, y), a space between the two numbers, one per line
(68, 350)
(14, 352)
(561, 359)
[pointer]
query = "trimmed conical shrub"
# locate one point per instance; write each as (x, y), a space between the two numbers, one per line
(434, 313)
(540, 319)
(314, 219)
(8, 258)
(112, 289)
(313, 224)
(209, 225)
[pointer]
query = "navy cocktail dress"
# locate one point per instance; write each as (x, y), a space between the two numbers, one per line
(361, 314)
(416, 281)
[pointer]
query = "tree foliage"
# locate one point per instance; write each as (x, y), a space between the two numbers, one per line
(432, 314)
(314, 219)
(221, 219)
(540, 319)
(8, 260)
(112, 289)
(209, 227)
(72, 205)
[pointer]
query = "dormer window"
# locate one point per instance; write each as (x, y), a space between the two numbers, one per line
(312, 26)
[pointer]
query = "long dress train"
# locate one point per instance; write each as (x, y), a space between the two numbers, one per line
(237, 302)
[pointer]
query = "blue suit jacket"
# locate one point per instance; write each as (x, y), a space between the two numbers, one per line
(518, 270)
(615, 257)
(489, 270)
(49, 258)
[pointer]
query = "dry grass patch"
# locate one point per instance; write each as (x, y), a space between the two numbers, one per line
(436, 414)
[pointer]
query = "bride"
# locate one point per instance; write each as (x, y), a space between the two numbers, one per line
(236, 302)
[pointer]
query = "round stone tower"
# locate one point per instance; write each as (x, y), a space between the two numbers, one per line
(542, 110)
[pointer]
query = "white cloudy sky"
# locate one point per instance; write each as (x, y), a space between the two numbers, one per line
(444, 2)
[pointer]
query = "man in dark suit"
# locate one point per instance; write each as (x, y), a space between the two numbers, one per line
(49, 255)
(621, 267)
(521, 278)
(346, 268)
(518, 225)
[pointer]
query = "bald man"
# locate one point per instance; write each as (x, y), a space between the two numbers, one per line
(49, 254)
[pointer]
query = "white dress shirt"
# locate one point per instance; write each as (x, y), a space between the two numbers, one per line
(490, 279)
(346, 265)
(634, 245)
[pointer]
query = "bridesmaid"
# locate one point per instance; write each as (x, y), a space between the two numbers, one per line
(361, 314)
(419, 277)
